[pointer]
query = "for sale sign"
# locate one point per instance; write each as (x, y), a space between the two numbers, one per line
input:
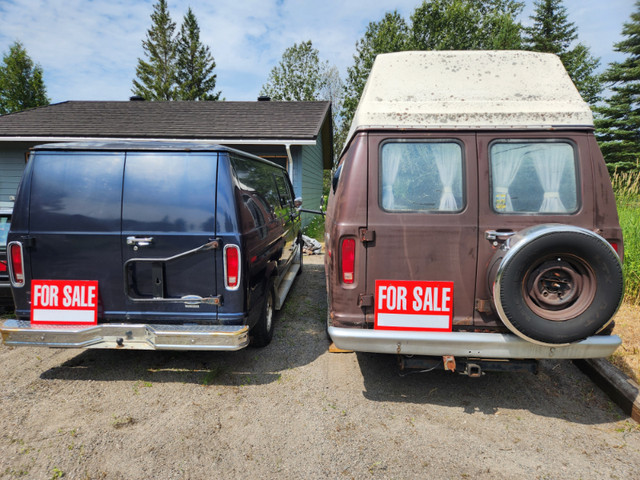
(64, 302)
(413, 305)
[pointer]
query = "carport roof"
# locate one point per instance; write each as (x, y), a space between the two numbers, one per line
(262, 121)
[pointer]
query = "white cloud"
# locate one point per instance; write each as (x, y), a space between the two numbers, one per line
(89, 48)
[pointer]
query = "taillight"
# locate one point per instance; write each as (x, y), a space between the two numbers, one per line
(3, 266)
(16, 267)
(615, 246)
(231, 267)
(348, 256)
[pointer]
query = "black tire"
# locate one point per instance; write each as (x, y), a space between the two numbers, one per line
(559, 286)
(262, 332)
(301, 256)
(326, 327)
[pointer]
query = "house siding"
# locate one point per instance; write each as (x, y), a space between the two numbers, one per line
(12, 162)
(311, 179)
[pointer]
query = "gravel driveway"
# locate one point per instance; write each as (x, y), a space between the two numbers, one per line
(293, 410)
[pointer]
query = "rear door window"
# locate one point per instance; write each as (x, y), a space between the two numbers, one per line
(533, 177)
(422, 177)
(172, 192)
(77, 192)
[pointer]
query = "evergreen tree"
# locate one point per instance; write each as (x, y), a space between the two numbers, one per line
(156, 76)
(21, 82)
(552, 32)
(194, 64)
(618, 120)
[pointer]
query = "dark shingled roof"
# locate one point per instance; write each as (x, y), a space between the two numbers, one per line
(179, 120)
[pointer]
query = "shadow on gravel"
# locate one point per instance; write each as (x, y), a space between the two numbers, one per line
(559, 390)
(298, 340)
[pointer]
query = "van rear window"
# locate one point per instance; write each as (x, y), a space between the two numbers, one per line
(533, 177)
(422, 177)
(74, 192)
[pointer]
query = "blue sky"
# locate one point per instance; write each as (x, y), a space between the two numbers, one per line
(88, 49)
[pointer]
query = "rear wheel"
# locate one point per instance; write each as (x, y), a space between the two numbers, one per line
(558, 285)
(262, 332)
(300, 258)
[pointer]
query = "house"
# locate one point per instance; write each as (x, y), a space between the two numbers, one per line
(296, 135)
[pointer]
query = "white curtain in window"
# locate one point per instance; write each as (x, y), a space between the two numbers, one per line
(448, 161)
(550, 161)
(504, 167)
(391, 156)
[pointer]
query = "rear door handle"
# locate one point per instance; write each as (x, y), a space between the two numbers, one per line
(139, 241)
(498, 235)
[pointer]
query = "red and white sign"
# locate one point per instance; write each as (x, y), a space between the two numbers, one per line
(64, 302)
(413, 305)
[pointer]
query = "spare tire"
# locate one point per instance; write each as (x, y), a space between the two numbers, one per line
(557, 284)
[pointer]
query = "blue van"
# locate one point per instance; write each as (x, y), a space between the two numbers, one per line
(150, 245)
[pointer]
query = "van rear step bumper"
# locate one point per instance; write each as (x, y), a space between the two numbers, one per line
(467, 344)
(126, 336)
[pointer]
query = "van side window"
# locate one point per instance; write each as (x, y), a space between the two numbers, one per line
(256, 215)
(286, 198)
(422, 177)
(256, 177)
(533, 177)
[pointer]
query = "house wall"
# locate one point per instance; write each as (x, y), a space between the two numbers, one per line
(12, 163)
(311, 179)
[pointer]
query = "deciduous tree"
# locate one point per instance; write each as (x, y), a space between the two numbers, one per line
(466, 25)
(21, 82)
(435, 25)
(300, 75)
(390, 34)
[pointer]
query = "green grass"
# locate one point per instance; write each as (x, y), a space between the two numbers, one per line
(627, 189)
(315, 229)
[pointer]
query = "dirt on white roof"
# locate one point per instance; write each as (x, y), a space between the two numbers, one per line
(470, 89)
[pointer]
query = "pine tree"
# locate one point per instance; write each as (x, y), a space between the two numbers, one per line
(552, 32)
(618, 120)
(156, 77)
(21, 82)
(194, 64)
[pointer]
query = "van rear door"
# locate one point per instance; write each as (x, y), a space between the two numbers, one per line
(421, 235)
(74, 222)
(169, 236)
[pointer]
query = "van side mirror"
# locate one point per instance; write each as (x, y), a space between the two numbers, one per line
(298, 203)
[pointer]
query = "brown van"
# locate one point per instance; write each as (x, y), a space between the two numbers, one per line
(472, 215)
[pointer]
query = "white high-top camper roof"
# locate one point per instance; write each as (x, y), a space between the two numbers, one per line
(470, 90)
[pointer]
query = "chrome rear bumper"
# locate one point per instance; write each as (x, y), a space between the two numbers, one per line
(126, 336)
(467, 344)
